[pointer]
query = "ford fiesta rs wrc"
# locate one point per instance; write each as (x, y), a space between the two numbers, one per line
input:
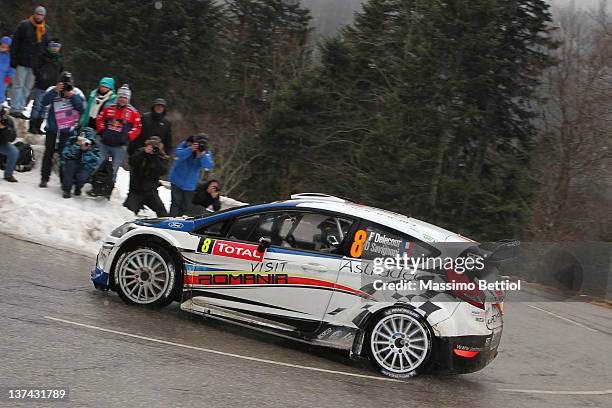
(304, 268)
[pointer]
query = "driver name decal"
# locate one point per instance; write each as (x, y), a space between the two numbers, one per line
(248, 252)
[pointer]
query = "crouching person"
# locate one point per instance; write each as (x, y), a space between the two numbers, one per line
(79, 159)
(147, 165)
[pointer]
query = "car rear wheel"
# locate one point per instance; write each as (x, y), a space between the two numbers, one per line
(400, 343)
(146, 275)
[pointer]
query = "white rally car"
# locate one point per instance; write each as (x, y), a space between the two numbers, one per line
(303, 268)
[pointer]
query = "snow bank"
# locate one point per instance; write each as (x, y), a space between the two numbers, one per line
(79, 223)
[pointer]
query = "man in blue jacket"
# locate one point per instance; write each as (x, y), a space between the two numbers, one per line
(191, 156)
(67, 103)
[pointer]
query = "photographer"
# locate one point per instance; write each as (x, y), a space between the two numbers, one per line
(67, 102)
(207, 194)
(79, 160)
(191, 156)
(7, 135)
(147, 165)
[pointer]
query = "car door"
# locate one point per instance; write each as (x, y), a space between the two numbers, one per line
(222, 261)
(368, 242)
(291, 285)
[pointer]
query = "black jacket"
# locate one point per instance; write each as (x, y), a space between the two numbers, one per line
(204, 199)
(153, 125)
(24, 50)
(145, 171)
(47, 70)
(8, 134)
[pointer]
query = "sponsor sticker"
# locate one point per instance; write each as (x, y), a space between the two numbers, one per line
(230, 249)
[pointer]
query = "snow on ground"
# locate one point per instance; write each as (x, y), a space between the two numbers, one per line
(78, 224)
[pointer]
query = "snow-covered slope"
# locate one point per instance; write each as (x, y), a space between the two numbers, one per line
(78, 223)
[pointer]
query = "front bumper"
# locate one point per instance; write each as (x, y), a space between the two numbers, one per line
(99, 275)
(465, 354)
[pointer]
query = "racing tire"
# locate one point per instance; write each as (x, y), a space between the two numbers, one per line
(147, 275)
(399, 343)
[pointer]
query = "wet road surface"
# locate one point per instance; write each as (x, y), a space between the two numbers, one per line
(552, 354)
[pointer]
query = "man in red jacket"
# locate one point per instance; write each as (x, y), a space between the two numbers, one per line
(118, 124)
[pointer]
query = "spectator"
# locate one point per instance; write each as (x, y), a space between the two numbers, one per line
(6, 72)
(99, 98)
(191, 156)
(29, 41)
(147, 165)
(154, 123)
(118, 124)
(207, 194)
(47, 73)
(7, 148)
(79, 160)
(67, 101)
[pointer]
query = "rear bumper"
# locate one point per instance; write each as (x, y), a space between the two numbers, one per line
(465, 354)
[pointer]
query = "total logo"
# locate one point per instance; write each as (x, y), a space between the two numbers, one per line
(230, 249)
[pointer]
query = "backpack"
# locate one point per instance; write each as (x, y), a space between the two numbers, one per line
(101, 180)
(25, 161)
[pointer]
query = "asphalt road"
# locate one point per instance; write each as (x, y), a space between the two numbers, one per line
(109, 354)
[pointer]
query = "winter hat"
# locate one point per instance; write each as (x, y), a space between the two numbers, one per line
(125, 92)
(155, 141)
(6, 40)
(107, 82)
(40, 10)
(160, 101)
(54, 42)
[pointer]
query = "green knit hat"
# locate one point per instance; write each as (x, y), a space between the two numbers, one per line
(107, 82)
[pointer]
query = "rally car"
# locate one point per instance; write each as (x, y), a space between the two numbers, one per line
(304, 268)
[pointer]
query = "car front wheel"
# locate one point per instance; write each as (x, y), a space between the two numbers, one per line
(146, 275)
(400, 343)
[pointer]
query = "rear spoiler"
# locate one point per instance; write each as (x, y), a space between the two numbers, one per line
(496, 252)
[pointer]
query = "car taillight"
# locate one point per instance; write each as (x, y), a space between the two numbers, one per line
(465, 353)
(500, 307)
(474, 297)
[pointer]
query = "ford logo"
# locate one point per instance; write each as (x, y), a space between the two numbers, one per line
(175, 225)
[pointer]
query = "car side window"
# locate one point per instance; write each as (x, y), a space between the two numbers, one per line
(242, 228)
(303, 230)
(372, 241)
(212, 230)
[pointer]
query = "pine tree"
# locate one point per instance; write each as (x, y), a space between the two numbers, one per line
(171, 51)
(433, 101)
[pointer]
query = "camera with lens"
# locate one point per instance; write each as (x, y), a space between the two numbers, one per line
(202, 141)
(155, 149)
(66, 79)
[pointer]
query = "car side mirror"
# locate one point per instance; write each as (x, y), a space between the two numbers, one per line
(264, 243)
(333, 241)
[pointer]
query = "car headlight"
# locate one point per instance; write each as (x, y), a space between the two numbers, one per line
(122, 230)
